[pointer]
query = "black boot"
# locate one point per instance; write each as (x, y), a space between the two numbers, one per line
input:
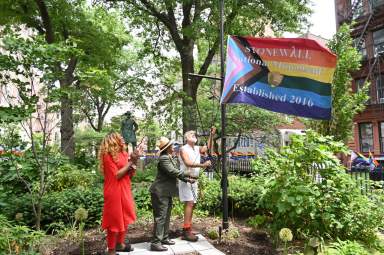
(188, 235)
(158, 247)
(168, 242)
(127, 248)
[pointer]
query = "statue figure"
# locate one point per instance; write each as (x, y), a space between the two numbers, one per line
(128, 129)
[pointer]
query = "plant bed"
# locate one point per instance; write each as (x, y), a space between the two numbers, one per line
(247, 241)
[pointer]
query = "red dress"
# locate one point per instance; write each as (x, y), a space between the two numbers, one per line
(119, 206)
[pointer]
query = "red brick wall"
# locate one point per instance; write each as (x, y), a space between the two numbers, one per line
(374, 113)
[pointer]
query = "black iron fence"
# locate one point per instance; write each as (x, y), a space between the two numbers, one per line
(365, 178)
(238, 166)
(361, 178)
(242, 166)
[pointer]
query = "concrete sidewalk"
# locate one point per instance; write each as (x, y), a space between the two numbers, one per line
(201, 247)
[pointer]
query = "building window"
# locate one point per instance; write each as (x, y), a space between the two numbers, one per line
(380, 88)
(378, 41)
(381, 129)
(359, 84)
(377, 3)
(362, 49)
(366, 137)
(358, 10)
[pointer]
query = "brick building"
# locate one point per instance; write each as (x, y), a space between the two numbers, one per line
(368, 33)
(41, 120)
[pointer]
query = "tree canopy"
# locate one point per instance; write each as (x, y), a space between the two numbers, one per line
(185, 26)
(345, 103)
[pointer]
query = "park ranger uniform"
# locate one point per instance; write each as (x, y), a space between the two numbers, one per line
(162, 190)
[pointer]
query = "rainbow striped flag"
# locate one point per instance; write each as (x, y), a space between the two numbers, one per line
(287, 75)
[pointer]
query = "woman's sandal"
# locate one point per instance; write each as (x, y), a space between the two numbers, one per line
(127, 248)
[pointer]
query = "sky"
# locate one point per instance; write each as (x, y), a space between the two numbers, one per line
(323, 24)
(323, 18)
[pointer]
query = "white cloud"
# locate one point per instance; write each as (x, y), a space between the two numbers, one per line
(322, 19)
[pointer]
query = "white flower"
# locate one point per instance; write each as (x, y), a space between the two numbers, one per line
(81, 214)
(286, 235)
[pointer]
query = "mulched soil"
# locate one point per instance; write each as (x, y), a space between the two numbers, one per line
(250, 241)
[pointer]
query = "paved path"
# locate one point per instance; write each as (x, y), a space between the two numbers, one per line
(201, 247)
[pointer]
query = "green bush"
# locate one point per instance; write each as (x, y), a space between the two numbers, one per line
(142, 197)
(330, 206)
(146, 175)
(16, 239)
(20, 204)
(346, 248)
(213, 233)
(209, 195)
(243, 195)
(256, 221)
(84, 158)
(87, 142)
(69, 176)
(61, 206)
(67, 179)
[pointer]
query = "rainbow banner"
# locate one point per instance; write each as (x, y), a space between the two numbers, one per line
(291, 76)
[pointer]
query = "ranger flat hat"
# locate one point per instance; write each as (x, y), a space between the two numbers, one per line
(164, 143)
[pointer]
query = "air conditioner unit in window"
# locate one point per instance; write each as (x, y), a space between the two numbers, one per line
(381, 100)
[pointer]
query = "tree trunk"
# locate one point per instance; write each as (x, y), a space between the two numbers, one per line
(38, 214)
(100, 123)
(66, 128)
(66, 110)
(190, 89)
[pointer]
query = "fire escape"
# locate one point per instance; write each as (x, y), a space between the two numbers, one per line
(374, 64)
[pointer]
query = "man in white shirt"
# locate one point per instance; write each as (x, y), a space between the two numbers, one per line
(188, 192)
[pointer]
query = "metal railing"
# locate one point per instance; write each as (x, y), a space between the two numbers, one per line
(242, 166)
(376, 3)
(363, 176)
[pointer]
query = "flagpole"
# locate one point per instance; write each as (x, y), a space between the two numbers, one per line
(224, 177)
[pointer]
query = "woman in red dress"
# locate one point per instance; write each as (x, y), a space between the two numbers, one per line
(119, 206)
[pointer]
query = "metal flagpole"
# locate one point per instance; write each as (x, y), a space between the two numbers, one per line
(224, 175)
(224, 178)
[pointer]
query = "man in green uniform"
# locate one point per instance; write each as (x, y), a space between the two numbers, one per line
(162, 190)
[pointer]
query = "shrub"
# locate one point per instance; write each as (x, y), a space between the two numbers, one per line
(209, 194)
(142, 196)
(256, 221)
(61, 206)
(19, 205)
(346, 248)
(147, 175)
(243, 195)
(85, 156)
(231, 234)
(69, 176)
(330, 206)
(16, 239)
(213, 233)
